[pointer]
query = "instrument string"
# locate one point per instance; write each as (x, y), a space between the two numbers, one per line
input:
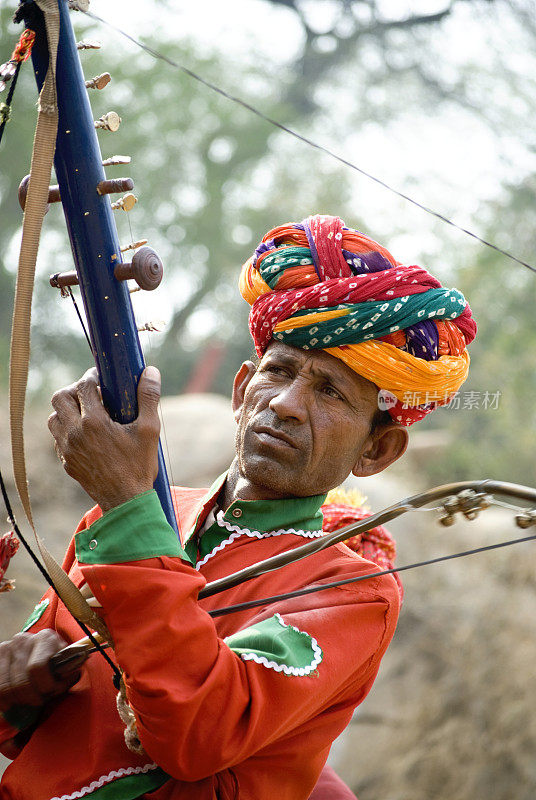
(167, 458)
(169, 463)
(82, 323)
(306, 140)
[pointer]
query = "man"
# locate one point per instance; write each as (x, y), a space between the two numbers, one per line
(245, 706)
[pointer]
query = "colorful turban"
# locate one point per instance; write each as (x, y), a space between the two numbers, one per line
(320, 284)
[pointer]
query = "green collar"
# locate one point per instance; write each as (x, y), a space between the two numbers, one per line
(297, 515)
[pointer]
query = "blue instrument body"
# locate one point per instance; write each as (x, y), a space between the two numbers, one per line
(94, 240)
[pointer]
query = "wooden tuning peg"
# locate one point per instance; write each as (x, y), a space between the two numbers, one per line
(114, 160)
(146, 269)
(99, 81)
(115, 185)
(53, 193)
(79, 5)
(88, 44)
(156, 326)
(109, 122)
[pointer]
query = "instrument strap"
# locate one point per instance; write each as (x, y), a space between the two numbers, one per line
(35, 207)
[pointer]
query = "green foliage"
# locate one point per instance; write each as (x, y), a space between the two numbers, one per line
(208, 179)
(211, 178)
(497, 442)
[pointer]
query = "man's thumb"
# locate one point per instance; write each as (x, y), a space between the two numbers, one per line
(149, 393)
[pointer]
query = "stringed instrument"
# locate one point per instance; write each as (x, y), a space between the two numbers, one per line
(84, 193)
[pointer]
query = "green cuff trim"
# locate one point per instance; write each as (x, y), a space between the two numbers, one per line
(135, 530)
(21, 717)
(36, 614)
(277, 646)
(130, 787)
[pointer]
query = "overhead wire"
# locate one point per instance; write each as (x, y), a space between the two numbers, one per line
(306, 140)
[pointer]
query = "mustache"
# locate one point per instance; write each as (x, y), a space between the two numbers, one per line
(296, 434)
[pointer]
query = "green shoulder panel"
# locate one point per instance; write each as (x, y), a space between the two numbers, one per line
(277, 646)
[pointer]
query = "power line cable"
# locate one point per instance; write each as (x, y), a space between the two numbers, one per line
(321, 148)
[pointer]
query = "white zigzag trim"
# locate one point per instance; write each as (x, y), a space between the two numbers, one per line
(237, 531)
(94, 785)
(284, 667)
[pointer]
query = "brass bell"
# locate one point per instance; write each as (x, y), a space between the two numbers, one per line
(126, 203)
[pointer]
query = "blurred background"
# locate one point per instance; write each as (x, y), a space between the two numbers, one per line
(435, 98)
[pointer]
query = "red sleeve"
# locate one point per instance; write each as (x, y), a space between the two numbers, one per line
(7, 731)
(180, 675)
(330, 787)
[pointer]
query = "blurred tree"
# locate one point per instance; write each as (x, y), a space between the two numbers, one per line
(210, 173)
(491, 432)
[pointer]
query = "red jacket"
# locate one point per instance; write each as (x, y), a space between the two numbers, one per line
(246, 705)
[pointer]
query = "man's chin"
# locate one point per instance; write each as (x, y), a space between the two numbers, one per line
(270, 473)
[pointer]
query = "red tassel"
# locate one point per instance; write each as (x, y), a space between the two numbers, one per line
(9, 544)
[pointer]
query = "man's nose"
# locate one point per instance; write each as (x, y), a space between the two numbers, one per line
(291, 401)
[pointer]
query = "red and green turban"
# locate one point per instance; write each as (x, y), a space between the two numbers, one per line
(319, 284)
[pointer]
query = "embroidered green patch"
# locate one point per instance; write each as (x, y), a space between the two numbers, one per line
(277, 646)
(36, 614)
(129, 787)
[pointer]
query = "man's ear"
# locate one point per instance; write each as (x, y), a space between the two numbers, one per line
(382, 448)
(240, 384)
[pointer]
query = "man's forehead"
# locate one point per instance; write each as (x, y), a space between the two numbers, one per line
(319, 362)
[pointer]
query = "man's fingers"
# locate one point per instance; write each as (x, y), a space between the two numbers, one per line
(89, 396)
(6, 693)
(65, 402)
(15, 688)
(25, 675)
(91, 374)
(23, 692)
(46, 644)
(148, 398)
(54, 425)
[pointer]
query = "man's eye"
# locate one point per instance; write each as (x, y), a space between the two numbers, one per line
(331, 392)
(275, 369)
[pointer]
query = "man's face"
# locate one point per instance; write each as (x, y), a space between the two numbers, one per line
(304, 419)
